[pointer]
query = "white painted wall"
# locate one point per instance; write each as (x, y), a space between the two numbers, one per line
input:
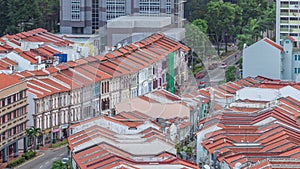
(200, 137)
(23, 64)
(31, 107)
(262, 59)
(287, 60)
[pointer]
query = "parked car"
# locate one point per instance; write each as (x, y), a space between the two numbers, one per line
(200, 75)
(201, 84)
(223, 65)
(65, 160)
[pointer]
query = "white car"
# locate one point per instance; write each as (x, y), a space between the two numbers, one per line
(65, 160)
(223, 65)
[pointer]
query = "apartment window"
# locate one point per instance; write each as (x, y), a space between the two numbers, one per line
(75, 10)
(14, 98)
(3, 103)
(21, 95)
(95, 15)
(9, 100)
(149, 7)
(299, 57)
(3, 119)
(105, 104)
(115, 8)
(168, 7)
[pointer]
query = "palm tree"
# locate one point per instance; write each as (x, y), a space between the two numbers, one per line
(33, 133)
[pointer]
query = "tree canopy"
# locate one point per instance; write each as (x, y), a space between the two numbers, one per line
(242, 21)
(21, 15)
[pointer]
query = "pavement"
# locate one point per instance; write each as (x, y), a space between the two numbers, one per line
(45, 160)
(217, 75)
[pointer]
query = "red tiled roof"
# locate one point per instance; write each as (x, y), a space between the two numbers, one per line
(7, 81)
(291, 38)
(274, 44)
(39, 35)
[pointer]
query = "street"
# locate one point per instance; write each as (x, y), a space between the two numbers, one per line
(213, 77)
(45, 161)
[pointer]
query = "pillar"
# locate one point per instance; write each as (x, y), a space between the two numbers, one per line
(25, 145)
(16, 149)
(4, 155)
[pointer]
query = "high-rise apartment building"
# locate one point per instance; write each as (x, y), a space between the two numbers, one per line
(287, 20)
(87, 16)
(13, 115)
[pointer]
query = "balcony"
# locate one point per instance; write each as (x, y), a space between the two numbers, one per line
(284, 21)
(284, 29)
(294, 22)
(12, 106)
(294, 30)
(293, 14)
(284, 6)
(12, 138)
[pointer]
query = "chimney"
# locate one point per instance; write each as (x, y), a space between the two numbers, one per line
(39, 59)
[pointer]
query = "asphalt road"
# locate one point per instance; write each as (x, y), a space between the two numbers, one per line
(213, 77)
(45, 161)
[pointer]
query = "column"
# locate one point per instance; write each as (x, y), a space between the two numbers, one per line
(25, 145)
(16, 149)
(4, 156)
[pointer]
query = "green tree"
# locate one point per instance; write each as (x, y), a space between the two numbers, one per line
(20, 15)
(252, 9)
(195, 9)
(220, 17)
(23, 15)
(4, 20)
(230, 74)
(201, 24)
(33, 134)
(58, 165)
(50, 14)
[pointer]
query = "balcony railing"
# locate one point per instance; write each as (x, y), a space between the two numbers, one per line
(11, 106)
(284, 5)
(284, 21)
(284, 29)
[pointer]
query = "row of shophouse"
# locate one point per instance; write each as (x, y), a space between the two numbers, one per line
(38, 49)
(77, 90)
(254, 124)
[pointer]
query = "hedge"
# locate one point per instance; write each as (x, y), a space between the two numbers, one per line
(59, 144)
(16, 162)
(29, 155)
(26, 156)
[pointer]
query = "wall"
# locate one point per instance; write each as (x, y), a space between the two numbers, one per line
(287, 60)
(262, 59)
(200, 137)
(23, 64)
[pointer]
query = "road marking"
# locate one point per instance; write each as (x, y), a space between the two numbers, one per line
(47, 162)
(61, 154)
(41, 166)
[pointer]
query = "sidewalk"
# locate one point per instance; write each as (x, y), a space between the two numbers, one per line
(11, 158)
(39, 154)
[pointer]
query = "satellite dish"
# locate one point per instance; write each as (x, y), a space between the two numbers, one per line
(206, 166)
